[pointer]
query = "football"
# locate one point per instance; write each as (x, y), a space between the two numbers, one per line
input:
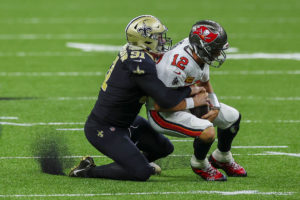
(200, 111)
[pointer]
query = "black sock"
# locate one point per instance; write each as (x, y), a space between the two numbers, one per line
(201, 148)
(226, 136)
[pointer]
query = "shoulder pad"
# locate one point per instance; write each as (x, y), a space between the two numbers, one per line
(140, 63)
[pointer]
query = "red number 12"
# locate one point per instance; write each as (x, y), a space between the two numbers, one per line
(181, 63)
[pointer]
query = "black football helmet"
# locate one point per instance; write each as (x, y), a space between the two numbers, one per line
(209, 40)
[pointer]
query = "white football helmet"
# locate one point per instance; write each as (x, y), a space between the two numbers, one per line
(147, 32)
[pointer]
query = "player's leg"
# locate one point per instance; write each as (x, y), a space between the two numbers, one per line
(153, 144)
(183, 123)
(115, 143)
(228, 123)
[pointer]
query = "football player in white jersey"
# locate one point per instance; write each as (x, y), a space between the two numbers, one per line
(186, 64)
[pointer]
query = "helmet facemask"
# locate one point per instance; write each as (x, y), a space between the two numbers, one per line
(164, 43)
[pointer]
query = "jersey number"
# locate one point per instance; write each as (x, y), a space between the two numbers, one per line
(134, 54)
(183, 61)
(104, 84)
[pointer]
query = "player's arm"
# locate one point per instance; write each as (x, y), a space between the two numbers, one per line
(200, 99)
(166, 97)
(215, 105)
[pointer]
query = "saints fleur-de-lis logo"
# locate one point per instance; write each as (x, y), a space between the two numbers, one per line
(145, 30)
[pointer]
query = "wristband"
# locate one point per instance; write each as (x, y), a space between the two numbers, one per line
(189, 103)
(214, 101)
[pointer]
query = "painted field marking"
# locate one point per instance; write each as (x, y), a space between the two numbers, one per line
(51, 74)
(69, 129)
(42, 123)
(81, 123)
(243, 72)
(94, 47)
(284, 154)
(227, 193)
(66, 36)
(290, 56)
(4, 117)
(122, 20)
(43, 54)
(265, 153)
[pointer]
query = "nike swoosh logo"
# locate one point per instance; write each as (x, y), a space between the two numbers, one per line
(178, 73)
(138, 60)
(77, 171)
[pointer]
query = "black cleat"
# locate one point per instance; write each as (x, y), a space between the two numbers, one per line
(81, 169)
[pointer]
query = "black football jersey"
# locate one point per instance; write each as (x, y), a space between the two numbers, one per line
(130, 79)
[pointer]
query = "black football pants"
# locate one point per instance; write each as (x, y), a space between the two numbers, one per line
(131, 148)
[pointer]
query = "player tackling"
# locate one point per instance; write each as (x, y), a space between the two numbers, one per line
(187, 64)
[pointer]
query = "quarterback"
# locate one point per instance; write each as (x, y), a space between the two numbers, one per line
(187, 63)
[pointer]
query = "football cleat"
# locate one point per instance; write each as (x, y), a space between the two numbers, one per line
(156, 168)
(81, 169)
(231, 168)
(210, 174)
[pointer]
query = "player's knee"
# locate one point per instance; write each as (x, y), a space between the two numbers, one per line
(234, 128)
(208, 135)
(168, 148)
(143, 173)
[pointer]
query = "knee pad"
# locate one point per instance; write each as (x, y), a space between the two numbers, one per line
(234, 128)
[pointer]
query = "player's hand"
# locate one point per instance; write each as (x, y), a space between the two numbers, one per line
(211, 115)
(196, 89)
(201, 99)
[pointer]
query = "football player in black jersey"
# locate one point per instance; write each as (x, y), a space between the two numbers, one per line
(114, 127)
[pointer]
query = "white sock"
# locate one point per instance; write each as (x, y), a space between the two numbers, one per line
(200, 164)
(222, 156)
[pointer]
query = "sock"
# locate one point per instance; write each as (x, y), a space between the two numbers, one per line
(222, 156)
(201, 148)
(226, 136)
(200, 164)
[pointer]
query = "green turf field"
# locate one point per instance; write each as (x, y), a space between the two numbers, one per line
(48, 88)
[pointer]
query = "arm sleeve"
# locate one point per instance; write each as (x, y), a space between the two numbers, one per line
(163, 96)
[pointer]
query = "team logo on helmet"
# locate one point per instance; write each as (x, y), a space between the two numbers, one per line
(145, 31)
(205, 34)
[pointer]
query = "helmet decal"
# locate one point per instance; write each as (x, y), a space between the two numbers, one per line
(145, 30)
(205, 34)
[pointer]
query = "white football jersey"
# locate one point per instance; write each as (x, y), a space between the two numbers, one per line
(178, 68)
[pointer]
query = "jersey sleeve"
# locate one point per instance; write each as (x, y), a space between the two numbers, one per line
(141, 66)
(165, 97)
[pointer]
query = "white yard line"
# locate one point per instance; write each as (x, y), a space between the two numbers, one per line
(227, 193)
(265, 153)
(290, 56)
(69, 129)
(66, 36)
(42, 123)
(256, 72)
(51, 74)
(4, 117)
(81, 123)
(42, 54)
(122, 21)
(98, 73)
(284, 154)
